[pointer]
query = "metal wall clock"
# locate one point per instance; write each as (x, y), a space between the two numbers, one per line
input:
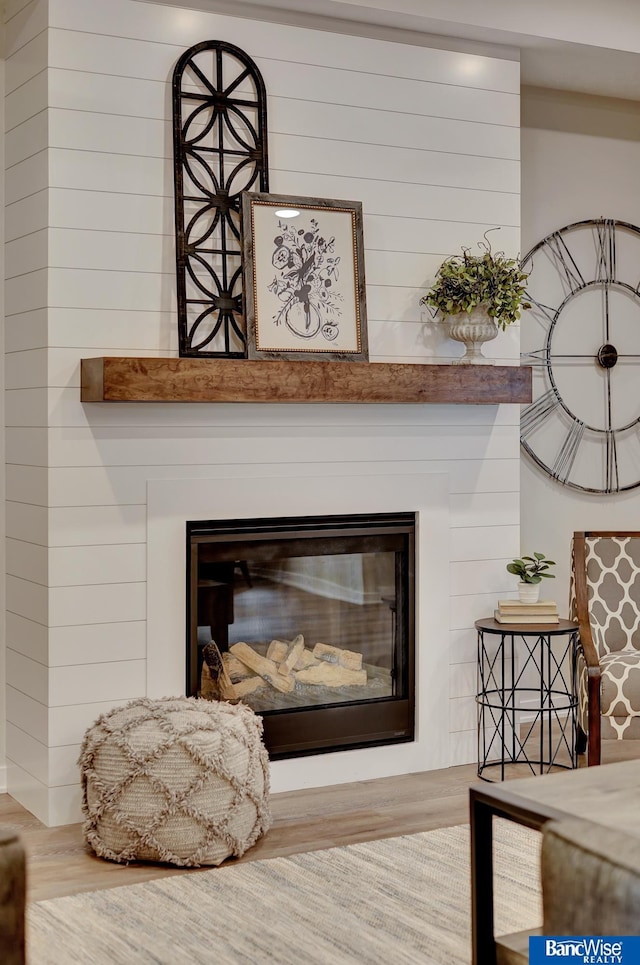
(582, 338)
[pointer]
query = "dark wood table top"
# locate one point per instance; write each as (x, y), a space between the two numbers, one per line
(489, 625)
(608, 795)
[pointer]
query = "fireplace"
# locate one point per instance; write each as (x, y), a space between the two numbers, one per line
(310, 621)
(260, 491)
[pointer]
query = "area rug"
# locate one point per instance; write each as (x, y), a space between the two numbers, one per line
(398, 900)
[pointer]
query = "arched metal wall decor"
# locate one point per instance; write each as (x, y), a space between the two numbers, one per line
(220, 150)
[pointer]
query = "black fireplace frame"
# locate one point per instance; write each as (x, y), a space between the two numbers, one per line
(340, 726)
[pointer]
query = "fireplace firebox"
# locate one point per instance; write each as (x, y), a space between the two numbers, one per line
(308, 620)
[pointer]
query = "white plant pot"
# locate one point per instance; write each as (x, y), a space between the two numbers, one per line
(473, 328)
(529, 592)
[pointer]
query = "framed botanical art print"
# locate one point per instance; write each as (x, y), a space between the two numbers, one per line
(304, 283)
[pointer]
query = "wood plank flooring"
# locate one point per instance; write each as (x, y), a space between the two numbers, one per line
(60, 864)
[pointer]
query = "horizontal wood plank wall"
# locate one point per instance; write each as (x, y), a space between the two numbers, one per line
(427, 139)
(25, 342)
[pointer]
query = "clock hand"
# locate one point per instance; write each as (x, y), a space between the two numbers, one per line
(612, 477)
(577, 355)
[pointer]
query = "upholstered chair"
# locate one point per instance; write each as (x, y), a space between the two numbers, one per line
(13, 891)
(605, 600)
(590, 879)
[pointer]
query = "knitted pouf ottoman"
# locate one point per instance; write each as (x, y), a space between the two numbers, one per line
(180, 780)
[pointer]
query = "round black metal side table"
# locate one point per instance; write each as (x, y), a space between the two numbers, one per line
(525, 662)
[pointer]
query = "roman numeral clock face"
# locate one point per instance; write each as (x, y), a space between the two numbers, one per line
(582, 338)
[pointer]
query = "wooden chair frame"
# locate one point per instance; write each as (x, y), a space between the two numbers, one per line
(592, 740)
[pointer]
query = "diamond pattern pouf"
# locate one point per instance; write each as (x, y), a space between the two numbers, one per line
(180, 780)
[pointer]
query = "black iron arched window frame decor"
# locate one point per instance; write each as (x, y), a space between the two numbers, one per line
(220, 150)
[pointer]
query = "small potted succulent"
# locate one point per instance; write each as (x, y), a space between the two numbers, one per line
(479, 293)
(531, 570)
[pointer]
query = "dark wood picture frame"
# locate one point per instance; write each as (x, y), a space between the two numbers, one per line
(304, 284)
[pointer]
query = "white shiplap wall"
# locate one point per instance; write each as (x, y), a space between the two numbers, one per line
(427, 139)
(25, 341)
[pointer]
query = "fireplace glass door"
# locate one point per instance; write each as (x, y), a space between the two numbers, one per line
(309, 621)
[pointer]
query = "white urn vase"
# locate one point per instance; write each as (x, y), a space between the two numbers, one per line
(528, 592)
(473, 329)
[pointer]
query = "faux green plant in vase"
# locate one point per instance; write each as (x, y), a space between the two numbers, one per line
(479, 293)
(531, 571)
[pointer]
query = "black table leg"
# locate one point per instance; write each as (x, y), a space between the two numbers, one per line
(483, 939)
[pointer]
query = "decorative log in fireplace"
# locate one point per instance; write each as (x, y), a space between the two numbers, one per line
(288, 668)
(310, 621)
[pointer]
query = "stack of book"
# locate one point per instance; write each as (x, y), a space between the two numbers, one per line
(513, 611)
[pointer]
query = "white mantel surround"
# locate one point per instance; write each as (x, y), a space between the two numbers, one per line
(171, 502)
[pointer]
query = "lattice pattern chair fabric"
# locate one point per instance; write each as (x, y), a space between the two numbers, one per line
(605, 600)
(179, 780)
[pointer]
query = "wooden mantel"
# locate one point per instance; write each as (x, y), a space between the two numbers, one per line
(239, 380)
